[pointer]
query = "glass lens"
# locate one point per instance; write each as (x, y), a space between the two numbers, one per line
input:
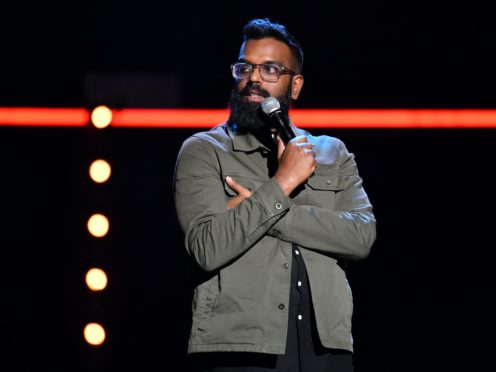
(242, 70)
(270, 72)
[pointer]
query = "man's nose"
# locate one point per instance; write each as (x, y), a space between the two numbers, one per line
(255, 75)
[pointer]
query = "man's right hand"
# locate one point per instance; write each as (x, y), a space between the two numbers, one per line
(296, 163)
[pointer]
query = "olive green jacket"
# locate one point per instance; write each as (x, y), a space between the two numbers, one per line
(243, 306)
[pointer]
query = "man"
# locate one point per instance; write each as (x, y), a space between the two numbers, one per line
(267, 224)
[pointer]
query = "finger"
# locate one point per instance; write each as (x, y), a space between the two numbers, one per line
(280, 147)
(233, 202)
(310, 151)
(305, 144)
(299, 139)
(237, 187)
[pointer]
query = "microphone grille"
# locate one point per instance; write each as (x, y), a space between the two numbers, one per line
(270, 104)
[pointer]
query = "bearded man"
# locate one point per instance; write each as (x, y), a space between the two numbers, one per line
(267, 225)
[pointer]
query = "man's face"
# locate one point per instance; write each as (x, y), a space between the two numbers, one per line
(248, 94)
(267, 50)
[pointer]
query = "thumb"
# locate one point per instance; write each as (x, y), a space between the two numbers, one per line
(280, 147)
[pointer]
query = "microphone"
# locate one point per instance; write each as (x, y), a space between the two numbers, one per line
(272, 108)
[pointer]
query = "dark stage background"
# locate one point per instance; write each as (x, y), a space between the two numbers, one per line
(423, 299)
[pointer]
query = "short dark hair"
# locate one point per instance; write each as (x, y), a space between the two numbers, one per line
(261, 28)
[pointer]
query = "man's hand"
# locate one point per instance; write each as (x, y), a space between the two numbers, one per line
(243, 193)
(296, 163)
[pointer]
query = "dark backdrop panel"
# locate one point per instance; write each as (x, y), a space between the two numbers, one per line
(423, 298)
(360, 53)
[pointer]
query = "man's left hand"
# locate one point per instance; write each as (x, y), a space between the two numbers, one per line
(243, 193)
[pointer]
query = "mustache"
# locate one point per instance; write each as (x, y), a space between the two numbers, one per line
(250, 89)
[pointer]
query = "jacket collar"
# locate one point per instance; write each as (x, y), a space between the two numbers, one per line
(247, 142)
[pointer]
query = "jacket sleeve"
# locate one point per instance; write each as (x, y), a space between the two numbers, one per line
(215, 235)
(348, 230)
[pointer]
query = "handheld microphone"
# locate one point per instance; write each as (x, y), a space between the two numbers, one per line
(272, 108)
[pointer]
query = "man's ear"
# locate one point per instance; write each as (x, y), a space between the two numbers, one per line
(296, 85)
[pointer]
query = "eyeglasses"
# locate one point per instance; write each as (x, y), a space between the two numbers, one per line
(270, 72)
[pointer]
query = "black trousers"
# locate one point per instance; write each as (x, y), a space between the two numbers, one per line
(304, 351)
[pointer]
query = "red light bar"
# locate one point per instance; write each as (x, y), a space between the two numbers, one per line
(168, 118)
(304, 118)
(49, 117)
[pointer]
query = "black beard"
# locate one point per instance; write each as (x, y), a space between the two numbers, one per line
(248, 117)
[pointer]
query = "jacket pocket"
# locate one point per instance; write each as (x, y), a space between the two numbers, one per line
(205, 297)
(204, 300)
(322, 187)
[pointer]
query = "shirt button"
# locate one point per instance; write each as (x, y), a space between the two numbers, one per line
(297, 251)
(300, 317)
(278, 205)
(281, 306)
(286, 266)
(299, 283)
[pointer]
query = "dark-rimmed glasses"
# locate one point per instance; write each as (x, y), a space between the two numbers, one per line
(270, 72)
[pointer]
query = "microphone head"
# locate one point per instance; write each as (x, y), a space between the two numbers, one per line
(270, 104)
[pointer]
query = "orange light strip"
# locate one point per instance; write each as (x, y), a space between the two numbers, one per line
(169, 118)
(47, 117)
(313, 118)
(305, 118)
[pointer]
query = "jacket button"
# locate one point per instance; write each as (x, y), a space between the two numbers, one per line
(281, 306)
(286, 266)
(328, 182)
(278, 205)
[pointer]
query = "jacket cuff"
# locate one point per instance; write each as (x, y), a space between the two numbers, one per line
(273, 198)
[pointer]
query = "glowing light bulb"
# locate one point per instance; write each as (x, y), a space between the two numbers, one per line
(96, 279)
(101, 117)
(98, 225)
(94, 334)
(100, 171)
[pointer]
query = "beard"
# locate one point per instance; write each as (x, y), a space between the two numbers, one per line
(248, 117)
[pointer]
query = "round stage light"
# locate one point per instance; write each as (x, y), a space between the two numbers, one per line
(101, 117)
(100, 171)
(96, 279)
(98, 225)
(94, 334)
